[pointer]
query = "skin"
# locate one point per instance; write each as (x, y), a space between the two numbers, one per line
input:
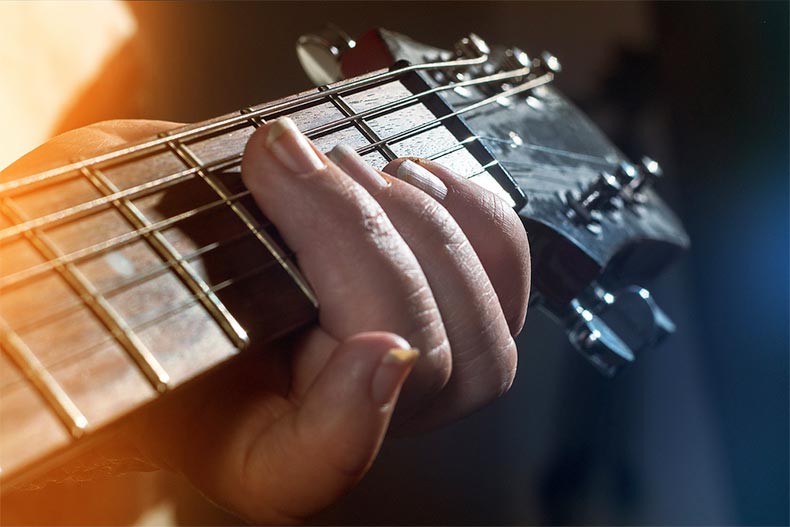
(393, 268)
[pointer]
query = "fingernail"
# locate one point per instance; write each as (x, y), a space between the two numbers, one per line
(393, 368)
(352, 164)
(423, 179)
(291, 147)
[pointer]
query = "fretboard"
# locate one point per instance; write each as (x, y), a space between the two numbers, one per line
(126, 275)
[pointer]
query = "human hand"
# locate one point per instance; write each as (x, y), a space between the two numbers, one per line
(437, 264)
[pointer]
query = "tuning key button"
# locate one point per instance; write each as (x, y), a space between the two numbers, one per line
(319, 53)
(596, 341)
(651, 172)
(648, 173)
(597, 197)
(611, 329)
(626, 173)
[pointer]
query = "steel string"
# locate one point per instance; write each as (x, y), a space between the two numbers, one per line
(209, 127)
(133, 235)
(149, 187)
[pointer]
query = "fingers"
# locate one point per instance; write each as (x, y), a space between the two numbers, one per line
(483, 351)
(365, 276)
(493, 228)
(315, 455)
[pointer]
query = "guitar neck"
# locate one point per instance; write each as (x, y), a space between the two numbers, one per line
(126, 275)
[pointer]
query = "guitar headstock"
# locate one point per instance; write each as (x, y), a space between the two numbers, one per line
(596, 225)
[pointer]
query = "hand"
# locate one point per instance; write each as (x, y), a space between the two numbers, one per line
(423, 260)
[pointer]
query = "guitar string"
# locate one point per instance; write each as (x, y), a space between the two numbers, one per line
(191, 131)
(137, 328)
(156, 270)
(85, 208)
(158, 318)
(150, 273)
(131, 236)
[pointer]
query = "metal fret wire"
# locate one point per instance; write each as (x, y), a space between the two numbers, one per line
(127, 238)
(96, 205)
(219, 188)
(150, 186)
(529, 85)
(43, 381)
(185, 272)
(62, 405)
(187, 304)
(113, 243)
(362, 127)
(158, 270)
(209, 127)
(178, 308)
(149, 274)
(104, 311)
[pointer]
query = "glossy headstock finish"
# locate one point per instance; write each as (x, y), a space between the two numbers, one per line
(596, 226)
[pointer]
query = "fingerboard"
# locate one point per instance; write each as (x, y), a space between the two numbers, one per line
(127, 275)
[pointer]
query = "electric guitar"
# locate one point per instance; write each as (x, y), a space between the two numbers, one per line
(129, 274)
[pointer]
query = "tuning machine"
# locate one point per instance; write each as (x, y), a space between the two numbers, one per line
(472, 47)
(635, 180)
(611, 329)
(601, 195)
(319, 53)
(515, 59)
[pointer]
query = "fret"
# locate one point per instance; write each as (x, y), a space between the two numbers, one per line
(60, 403)
(191, 160)
(190, 131)
(174, 259)
(97, 303)
(29, 428)
(113, 243)
(255, 121)
(361, 125)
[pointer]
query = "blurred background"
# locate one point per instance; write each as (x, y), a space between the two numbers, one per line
(696, 432)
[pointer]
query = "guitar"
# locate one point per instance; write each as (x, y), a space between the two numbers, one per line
(157, 267)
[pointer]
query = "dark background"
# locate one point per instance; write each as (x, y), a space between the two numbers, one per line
(697, 431)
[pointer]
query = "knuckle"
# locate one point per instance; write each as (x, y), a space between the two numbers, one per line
(492, 365)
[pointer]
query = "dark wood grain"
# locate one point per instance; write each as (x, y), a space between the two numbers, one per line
(84, 357)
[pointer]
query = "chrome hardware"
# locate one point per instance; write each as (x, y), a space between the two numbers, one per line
(599, 196)
(610, 330)
(319, 53)
(472, 47)
(626, 173)
(651, 171)
(640, 179)
(549, 63)
(593, 338)
(515, 59)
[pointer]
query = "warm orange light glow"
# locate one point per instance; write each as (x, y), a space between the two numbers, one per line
(49, 52)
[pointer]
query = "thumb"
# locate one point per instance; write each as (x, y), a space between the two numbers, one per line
(325, 447)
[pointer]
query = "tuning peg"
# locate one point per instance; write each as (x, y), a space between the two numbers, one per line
(647, 174)
(626, 173)
(612, 329)
(515, 59)
(596, 197)
(596, 341)
(319, 53)
(549, 63)
(651, 167)
(472, 47)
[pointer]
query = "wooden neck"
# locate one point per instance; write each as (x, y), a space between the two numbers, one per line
(126, 275)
